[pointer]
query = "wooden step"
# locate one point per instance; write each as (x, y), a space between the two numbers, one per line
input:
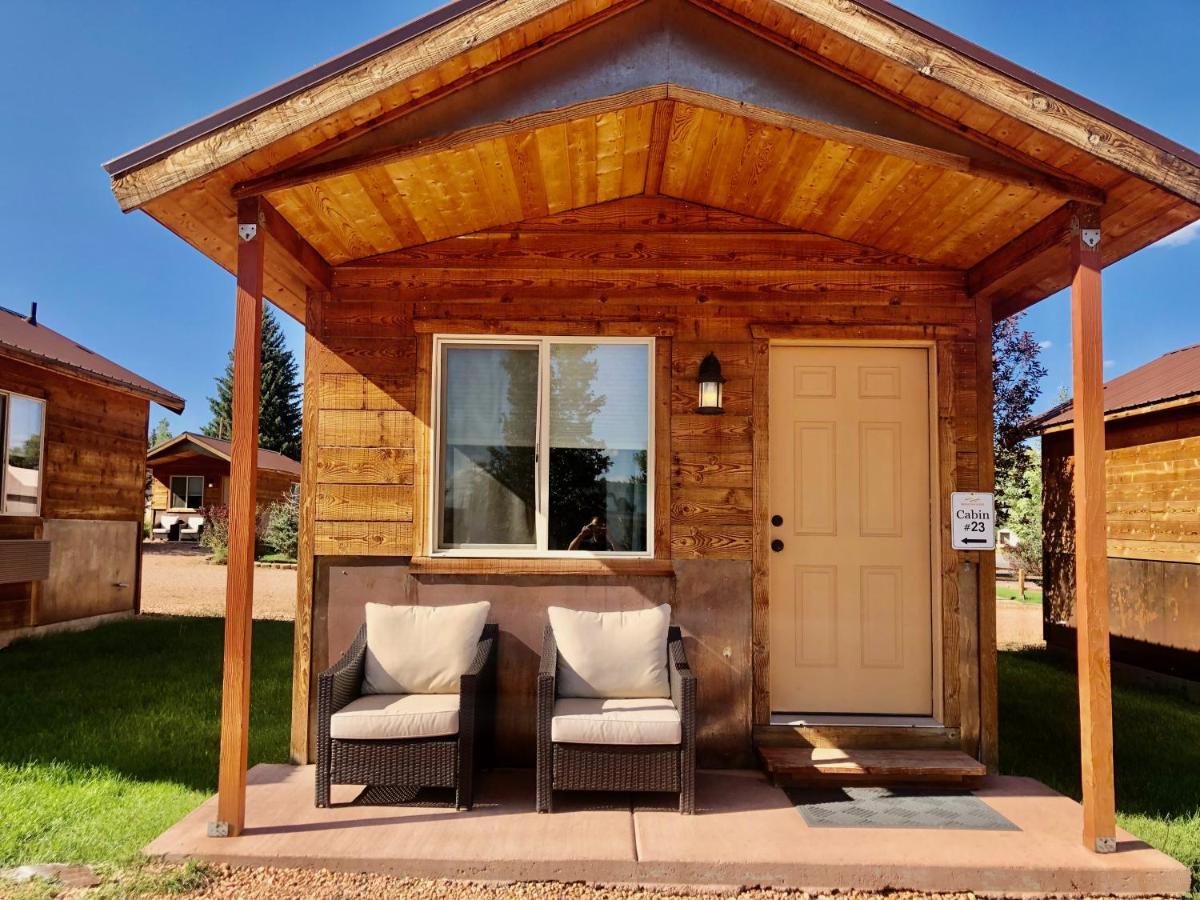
(831, 765)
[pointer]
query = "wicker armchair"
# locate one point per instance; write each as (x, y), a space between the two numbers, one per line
(393, 770)
(617, 767)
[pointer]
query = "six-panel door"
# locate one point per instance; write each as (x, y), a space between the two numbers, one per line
(850, 601)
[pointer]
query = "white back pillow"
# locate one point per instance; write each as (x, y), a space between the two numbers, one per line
(420, 649)
(612, 654)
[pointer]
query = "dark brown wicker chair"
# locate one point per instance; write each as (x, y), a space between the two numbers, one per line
(601, 767)
(393, 770)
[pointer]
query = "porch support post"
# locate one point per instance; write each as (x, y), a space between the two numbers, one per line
(239, 585)
(1091, 541)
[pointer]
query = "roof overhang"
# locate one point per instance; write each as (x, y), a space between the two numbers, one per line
(1007, 226)
(160, 396)
(1113, 415)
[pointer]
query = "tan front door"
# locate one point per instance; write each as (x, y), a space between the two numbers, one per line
(850, 604)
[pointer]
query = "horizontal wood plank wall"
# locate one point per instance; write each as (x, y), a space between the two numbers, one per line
(678, 272)
(364, 365)
(1152, 478)
(272, 486)
(94, 459)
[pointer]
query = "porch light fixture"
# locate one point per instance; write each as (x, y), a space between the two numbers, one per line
(710, 381)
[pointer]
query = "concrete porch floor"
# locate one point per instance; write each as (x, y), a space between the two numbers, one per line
(746, 833)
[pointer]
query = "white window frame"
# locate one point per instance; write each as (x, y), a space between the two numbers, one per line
(171, 492)
(4, 448)
(541, 458)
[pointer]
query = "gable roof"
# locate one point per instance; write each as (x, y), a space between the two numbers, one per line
(1173, 377)
(397, 37)
(211, 446)
(34, 343)
(386, 94)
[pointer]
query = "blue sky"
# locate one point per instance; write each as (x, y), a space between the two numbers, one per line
(82, 82)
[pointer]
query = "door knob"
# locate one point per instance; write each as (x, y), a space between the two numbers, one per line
(777, 545)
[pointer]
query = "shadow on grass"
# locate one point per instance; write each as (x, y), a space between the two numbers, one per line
(141, 698)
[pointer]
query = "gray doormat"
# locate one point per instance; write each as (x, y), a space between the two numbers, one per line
(879, 807)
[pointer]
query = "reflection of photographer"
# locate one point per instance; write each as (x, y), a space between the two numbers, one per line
(593, 537)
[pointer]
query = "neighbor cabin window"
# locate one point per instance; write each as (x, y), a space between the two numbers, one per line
(543, 446)
(187, 491)
(24, 426)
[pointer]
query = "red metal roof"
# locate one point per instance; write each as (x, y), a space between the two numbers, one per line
(1173, 376)
(267, 459)
(338, 64)
(34, 343)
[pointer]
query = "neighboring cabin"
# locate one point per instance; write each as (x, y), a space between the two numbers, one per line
(191, 472)
(72, 484)
(1152, 474)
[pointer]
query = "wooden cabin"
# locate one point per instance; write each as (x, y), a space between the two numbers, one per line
(190, 472)
(514, 231)
(1152, 436)
(74, 430)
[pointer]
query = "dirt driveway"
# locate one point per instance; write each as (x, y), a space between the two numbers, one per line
(178, 581)
(1018, 624)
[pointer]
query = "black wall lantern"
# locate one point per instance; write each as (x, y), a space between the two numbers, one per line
(710, 382)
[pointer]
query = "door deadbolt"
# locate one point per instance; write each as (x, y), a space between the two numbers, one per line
(776, 521)
(777, 545)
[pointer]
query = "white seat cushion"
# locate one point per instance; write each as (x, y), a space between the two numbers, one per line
(612, 654)
(389, 717)
(646, 720)
(420, 649)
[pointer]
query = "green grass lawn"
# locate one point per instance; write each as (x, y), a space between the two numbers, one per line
(1157, 748)
(109, 736)
(1008, 592)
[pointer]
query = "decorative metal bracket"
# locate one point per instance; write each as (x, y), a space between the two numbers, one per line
(220, 829)
(248, 232)
(1106, 845)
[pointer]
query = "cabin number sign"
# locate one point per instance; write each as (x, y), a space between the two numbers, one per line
(972, 521)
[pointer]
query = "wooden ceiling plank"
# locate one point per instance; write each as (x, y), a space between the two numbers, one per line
(660, 134)
(527, 172)
(883, 177)
(763, 145)
(635, 148)
(555, 166)
(1066, 187)
(317, 172)
(610, 153)
(498, 176)
(582, 149)
(897, 203)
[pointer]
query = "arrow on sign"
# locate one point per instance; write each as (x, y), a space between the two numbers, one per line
(974, 540)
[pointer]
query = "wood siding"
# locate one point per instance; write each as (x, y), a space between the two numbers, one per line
(1152, 478)
(94, 463)
(698, 279)
(271, 485)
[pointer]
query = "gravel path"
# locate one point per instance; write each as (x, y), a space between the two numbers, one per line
(1018, 625)
(285, 884)
(178, 581)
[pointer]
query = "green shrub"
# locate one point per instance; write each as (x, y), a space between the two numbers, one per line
(283, 525)
(215, 536)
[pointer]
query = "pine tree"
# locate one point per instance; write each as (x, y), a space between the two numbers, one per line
(161, 433)
(280, 414)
